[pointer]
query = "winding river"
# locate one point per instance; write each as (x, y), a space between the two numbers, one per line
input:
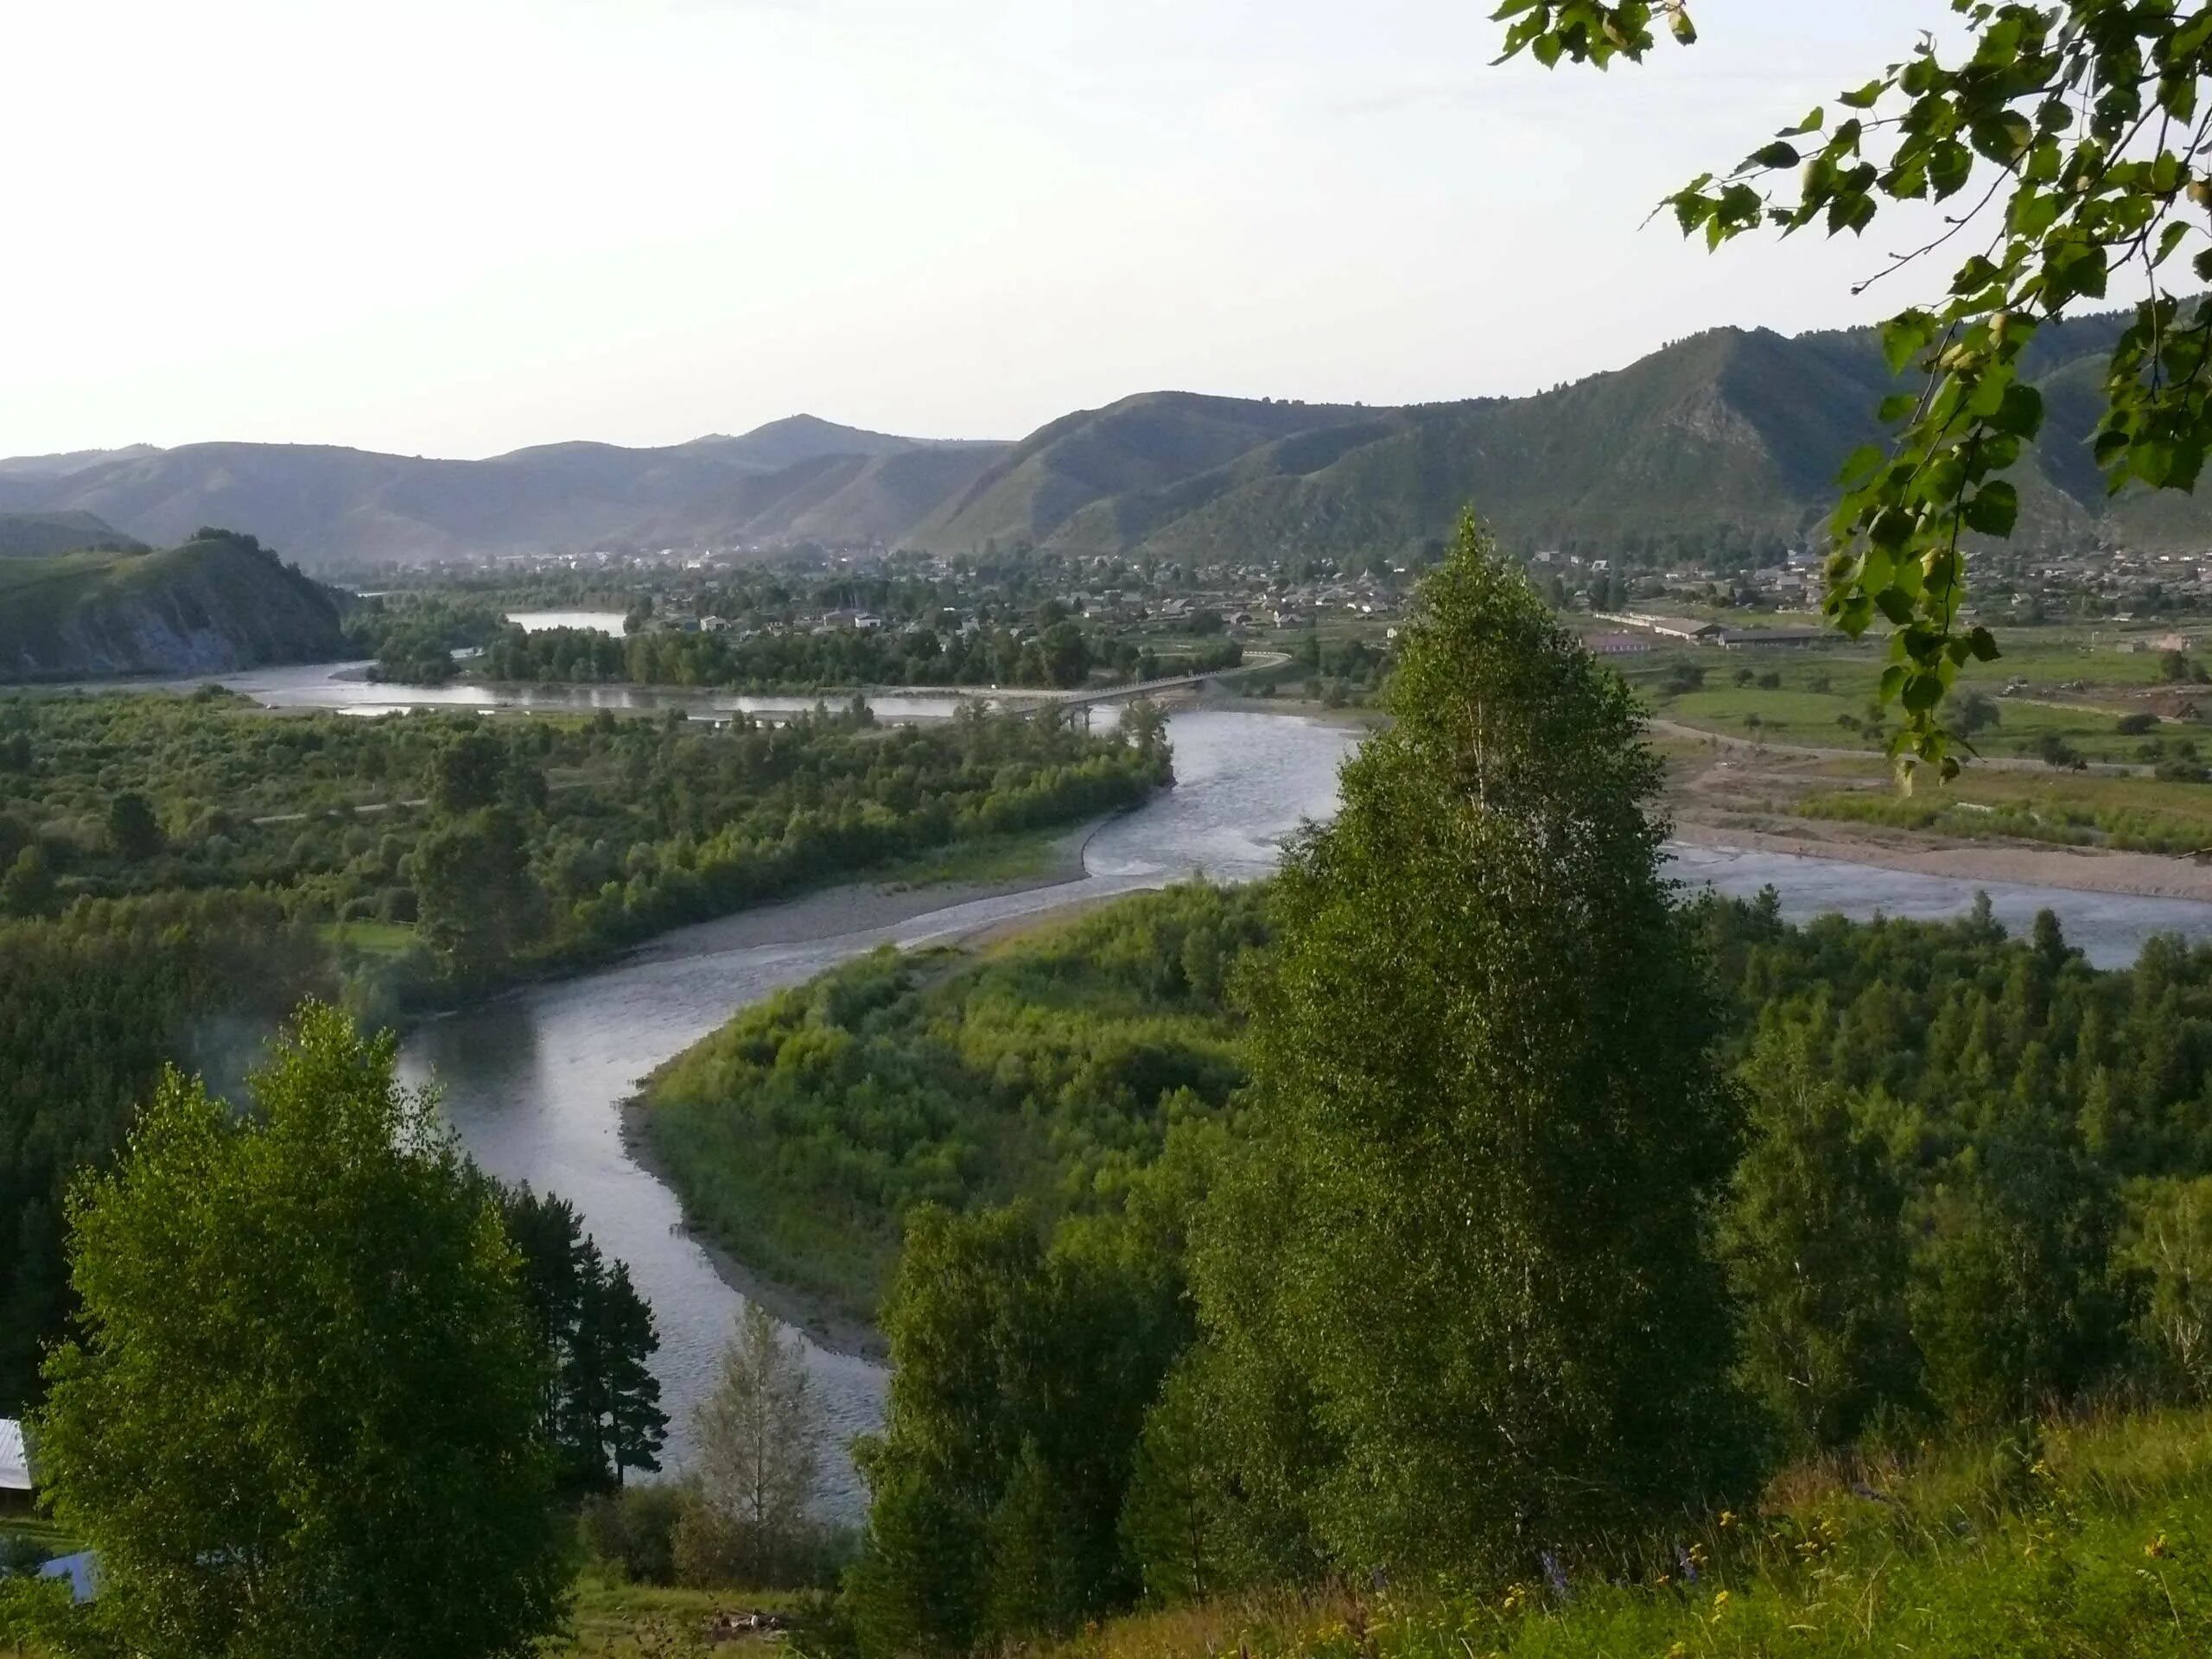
(533, 1081)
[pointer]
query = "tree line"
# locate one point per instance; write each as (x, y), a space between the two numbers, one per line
(505, 844)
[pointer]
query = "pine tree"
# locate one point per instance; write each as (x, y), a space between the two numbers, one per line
(1467, 1268)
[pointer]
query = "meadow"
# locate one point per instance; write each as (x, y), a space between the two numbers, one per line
(2093, 1538)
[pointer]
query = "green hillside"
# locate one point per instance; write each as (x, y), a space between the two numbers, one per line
(208, 606)
(1145, 442)
(1727, 439)
(42, 535)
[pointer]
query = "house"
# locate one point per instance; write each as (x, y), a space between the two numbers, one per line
(1617, 645)
(1667, 628)
(15, 1460)
(1737, 638)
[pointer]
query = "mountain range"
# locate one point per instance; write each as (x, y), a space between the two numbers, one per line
(1726, 439)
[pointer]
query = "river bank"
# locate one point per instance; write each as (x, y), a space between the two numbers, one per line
(2081, 869)
(836, 913)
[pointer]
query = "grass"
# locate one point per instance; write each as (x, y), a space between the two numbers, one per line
(610, 1619)
(2064, 809)
(1825, 696)
(2097, 1541)
(1029, 855)
(369, 938)
(615, 1620)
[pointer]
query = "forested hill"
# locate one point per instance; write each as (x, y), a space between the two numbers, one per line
(42, 535)
(218, 603)
(1728, 438)
(1725, 440)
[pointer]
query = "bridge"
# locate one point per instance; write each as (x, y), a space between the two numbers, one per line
(1174, 681)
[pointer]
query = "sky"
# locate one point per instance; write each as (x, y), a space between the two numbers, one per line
(456, 227)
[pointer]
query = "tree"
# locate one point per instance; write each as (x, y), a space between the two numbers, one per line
(2170, 1243)
(1067, 654)
(600, 1408)
(301, 1415)
(1021, 1371)
(1977, 711)
(1465, 1269)
(1816, 1245)
(2076, 134)
(2021, 1297)
(480, 904)
(28, 887)
(759, 1437)
(132, 829)
(467, 772)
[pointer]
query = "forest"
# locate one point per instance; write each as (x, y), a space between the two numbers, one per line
(1975, 1180)
(1051, 1069)
(1467, 1242)
(508, 844)
(1245, 1242)
(177, 872)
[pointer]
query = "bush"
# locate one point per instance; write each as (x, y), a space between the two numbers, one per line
(2055, 751)
(2137, 724)
(632, 1533)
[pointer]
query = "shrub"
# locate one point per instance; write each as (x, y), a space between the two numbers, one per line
(633, 1532)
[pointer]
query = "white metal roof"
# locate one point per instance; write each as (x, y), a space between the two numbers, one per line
(15, 1466)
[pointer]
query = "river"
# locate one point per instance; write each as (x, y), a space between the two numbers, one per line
(533, 1080)
(346, 688)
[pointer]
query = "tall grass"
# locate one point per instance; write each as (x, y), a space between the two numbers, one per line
(2095, 1540)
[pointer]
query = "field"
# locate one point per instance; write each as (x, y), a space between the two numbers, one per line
(2065, 683)
(2097, 1540)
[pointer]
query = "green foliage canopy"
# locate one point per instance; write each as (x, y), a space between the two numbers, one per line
(303, 1415)
(1466, 1257)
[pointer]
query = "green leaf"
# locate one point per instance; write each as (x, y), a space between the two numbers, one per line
(1861, 465)
(1895, 604)
(1906, 336)
(1983, 644)
(1812, 122)
(1867, 97)
(2020, 415)
(1775, 155)
(1994, 509)
(1922, 693)
(1892, 529)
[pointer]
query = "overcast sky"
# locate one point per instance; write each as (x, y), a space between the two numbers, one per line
(457, 226)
